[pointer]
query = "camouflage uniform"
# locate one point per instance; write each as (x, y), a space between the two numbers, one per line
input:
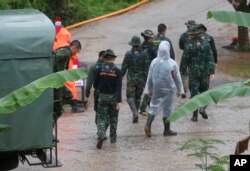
(136, 63)
(151, 50)
(183, 40)
(91, 74)
(60, 59)
(108, 81)
(198, 59)
(210, 40)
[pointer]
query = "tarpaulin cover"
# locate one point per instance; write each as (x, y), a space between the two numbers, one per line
(26, 39)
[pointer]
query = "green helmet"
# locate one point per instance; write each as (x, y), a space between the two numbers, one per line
(190, 23)
(194, 30)
(109, 52)
(135, 41)
(202, 26)
(148, 33)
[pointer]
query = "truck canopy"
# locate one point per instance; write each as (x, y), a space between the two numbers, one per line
(26, 42)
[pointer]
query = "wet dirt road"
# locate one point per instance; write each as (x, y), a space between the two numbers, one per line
(227, 121)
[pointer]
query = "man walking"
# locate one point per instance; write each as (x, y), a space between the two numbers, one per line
(151, 49)
(182, 42)
(198, 59)
(109, 82)
(135, 63)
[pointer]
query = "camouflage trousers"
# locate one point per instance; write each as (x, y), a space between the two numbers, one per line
(145, 102)
(96, 97)
(184, 79)
(107, 114)
(134, 92)
(198, 85)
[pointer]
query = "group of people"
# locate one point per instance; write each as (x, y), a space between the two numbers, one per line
(153, 77)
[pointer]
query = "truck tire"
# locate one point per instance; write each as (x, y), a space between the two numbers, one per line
(8, 161)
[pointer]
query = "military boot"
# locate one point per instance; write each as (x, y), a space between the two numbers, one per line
(147, 128)
(203, 113)
(195, 116)
(167, 130)
(134, 110)
(75, 108)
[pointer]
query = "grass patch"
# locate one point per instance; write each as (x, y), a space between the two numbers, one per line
(235, 67)
(72, 11)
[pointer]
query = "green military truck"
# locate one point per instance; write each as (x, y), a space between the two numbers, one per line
(26, 39)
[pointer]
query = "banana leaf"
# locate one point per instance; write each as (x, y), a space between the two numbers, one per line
(4, 127)
(238, 18)
(212, 96)
(32, 91)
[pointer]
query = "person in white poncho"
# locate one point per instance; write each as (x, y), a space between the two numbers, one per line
(163, 84)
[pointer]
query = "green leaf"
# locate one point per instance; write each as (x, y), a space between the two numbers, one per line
(216, 168)
(197, 155)
(236, 17)
(211, 96)
(4, 128)
(201, 166)
(32, 91)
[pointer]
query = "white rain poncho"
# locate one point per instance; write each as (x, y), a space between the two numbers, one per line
(163, 82)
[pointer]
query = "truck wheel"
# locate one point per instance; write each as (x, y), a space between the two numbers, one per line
(8, 161)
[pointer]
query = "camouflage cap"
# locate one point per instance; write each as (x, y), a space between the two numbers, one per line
(190, 23)
(148, 33)
(202, 26)
(135, 41)
(194, 30)
(109, 52)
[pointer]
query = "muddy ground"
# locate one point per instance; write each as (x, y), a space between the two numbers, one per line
(227, 121)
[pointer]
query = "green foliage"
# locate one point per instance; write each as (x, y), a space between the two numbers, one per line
(4, 128)
(32, 91)
(4, 5)
(238, 18)
(205, 151)
(71, 11)
(212, 96)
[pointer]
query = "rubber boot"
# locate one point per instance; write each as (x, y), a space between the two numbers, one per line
(203, 113)
(134, 110)
(195, 116)
(99, 143)
(75, 108)
(167, 131)
(137, 104)
(147, 128)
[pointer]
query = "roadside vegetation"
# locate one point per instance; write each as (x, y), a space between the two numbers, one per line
(71, 11)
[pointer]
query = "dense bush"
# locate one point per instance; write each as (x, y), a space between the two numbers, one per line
(71, 11)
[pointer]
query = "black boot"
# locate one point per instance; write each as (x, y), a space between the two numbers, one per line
(203, 113)
(147, 128)
(195, 116)
(99, 143)
(134, 110)
(167, 131)
(75, 108)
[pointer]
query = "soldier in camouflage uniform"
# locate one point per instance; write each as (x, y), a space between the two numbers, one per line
(198, 59)
(60, 60)
(91, 74)
(210, 40)
(136, 63)
(108, 81)
(150, 48)
(182, 41)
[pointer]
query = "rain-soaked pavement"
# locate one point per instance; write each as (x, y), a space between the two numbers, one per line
(227, 121)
